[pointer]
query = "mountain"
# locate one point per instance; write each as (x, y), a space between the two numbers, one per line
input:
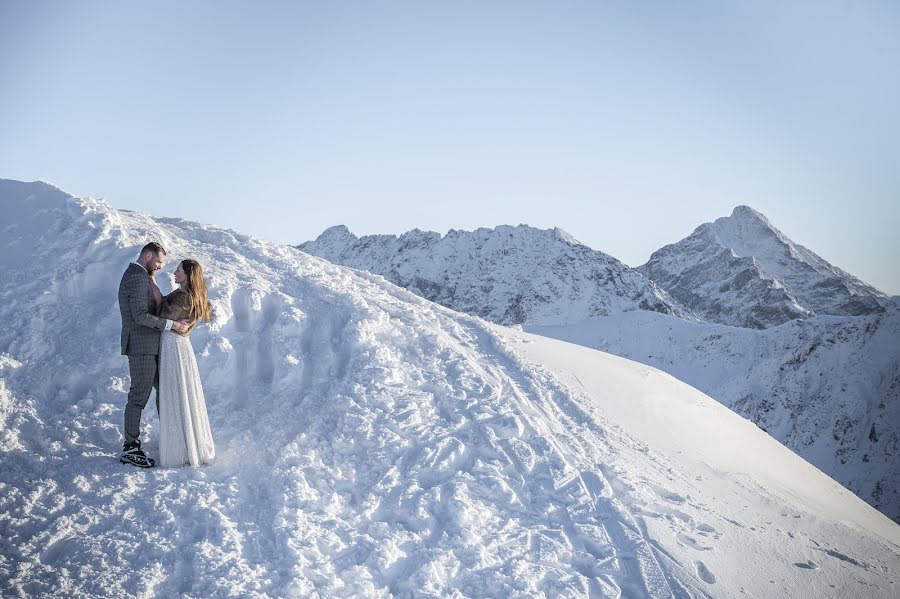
(830, 411)
(508, 275)
(742, 271)
(373, 444)
(827, 387)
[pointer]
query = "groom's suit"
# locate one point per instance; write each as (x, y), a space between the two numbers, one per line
(140, 342)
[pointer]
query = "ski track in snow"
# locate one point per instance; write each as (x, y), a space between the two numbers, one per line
(369, 443)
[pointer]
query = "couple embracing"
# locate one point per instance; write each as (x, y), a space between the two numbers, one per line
(155, 331)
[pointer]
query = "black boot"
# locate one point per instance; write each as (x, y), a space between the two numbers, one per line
(132, 454)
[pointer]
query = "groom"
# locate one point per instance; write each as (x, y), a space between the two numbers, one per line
(141, 327)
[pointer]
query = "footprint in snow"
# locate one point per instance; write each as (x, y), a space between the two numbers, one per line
(808, 565)
(704, 573)
(691, 542)
(844, 558)
(665, 494)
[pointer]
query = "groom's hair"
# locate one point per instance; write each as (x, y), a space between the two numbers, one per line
(153, 247)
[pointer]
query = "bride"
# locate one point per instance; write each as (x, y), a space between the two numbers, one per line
(185, 436)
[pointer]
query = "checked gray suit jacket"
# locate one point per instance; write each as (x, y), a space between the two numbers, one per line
(140, 324)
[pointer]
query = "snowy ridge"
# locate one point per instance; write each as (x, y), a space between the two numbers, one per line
(742, 271)
(371, 443)
(827, 387)
(508, 275)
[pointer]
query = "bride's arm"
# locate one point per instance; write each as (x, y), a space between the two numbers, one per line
(174, 307)
(177, 300)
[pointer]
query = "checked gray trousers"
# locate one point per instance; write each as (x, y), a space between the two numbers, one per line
(140, 342)
(144, 371)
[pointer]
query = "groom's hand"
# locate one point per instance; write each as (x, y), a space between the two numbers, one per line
(180, 326)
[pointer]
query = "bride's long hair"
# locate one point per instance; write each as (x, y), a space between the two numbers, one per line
(198, 304)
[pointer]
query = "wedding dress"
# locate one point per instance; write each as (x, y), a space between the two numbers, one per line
(185, 436)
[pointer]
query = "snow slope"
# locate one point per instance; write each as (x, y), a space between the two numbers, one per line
(508, 275)
(371, 443)
(742, 271)
(827, 387)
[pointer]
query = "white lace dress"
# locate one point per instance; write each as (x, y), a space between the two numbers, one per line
(185, 436)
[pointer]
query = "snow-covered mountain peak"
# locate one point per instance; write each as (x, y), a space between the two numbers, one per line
(337, 232)
(747, 214)
(509, 233)
(515, 235)
(506, 274)
(749, 233)
(566, 237)
(36, 187)
(741, 270)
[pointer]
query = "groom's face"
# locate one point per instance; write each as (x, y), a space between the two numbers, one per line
(155, 261)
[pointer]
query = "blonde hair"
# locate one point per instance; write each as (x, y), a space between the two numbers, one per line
(199, 307)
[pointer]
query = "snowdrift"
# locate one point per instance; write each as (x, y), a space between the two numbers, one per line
(371, 443)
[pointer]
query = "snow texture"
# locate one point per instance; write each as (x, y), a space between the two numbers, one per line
(373, 444)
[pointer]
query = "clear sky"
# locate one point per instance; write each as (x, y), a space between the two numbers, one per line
(625, 123)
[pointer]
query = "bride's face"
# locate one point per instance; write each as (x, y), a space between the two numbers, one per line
(180, 277)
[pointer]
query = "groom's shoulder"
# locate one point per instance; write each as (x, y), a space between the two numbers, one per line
(133, 271)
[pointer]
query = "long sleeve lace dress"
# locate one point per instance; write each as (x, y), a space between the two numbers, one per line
(185, 436)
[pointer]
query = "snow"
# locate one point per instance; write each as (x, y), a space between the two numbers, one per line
(713, 457)
(371, 443)
(827, 387)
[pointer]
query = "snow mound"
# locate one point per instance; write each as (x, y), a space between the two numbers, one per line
(371, 443)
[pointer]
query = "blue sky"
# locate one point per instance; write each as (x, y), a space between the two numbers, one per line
(625, 123)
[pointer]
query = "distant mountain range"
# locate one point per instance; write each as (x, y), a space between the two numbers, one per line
(508, 275)
(827, 386)
(739, 270)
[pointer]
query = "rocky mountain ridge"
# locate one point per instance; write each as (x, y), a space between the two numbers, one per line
(742, 271)
(508, 275)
